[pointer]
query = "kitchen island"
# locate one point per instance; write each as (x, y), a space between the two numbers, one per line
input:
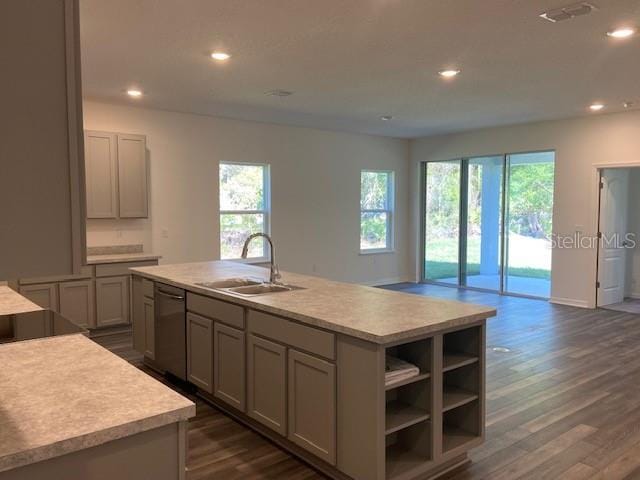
(306, 367)
(71, 409)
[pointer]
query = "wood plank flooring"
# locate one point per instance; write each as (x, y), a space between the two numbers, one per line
(563, 403)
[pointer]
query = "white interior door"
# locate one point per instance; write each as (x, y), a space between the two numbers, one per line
(614, 196)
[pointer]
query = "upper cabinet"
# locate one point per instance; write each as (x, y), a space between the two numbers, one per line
(41, 153)
(116, 166)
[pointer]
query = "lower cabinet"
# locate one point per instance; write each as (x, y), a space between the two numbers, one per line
(112, 300)
(44, 294)
(143, 316)
(77, 303)
(200, 351)
(149, 320)
(312, 404)
(266, 382)
(229, 365)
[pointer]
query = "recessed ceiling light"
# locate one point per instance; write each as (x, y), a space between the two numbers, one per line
(278, 93)
(221, 56)
(450, 73)
(386, 118)
(594, 107)
(134, 92)
(624, 32)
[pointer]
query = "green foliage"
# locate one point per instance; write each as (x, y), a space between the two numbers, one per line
(531, 199)
(241, 188)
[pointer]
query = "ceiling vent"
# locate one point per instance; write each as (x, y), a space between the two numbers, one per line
(569, 12)
(278, 93)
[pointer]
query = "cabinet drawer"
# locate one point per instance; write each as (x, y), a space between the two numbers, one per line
(222, 311)
(147, 288)
(117, 269)
(294, 334)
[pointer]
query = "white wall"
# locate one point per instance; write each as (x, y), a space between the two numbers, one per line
(580, 145)
(315, 190)
(633, 255)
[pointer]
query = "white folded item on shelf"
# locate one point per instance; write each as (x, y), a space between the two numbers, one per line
(397, 370)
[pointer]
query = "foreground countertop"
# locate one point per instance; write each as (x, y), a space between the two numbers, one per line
(12, 302)
(121, 258)
(64, 394)
(372, 314)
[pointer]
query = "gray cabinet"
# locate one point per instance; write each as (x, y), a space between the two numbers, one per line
(44, 294)
(42, 229)
(101, 170)
(266, 383)
(77, 303)
(148, 311)
(200, 351)
(112, 300)
(143, 316)
(116, 175)
(312, 404)
(229, 365)
(132, 176)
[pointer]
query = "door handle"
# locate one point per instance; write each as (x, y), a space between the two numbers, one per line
(170, 295)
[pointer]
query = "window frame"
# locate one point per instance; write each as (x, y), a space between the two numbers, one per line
(266, 211)
(389, 210)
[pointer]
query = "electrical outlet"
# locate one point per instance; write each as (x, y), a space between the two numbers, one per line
(165, 232)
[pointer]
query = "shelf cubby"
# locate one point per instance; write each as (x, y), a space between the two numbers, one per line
(408, 450)
(461, 426)
(417, 353)
(454, 397)
(461, 348)
(407, 405)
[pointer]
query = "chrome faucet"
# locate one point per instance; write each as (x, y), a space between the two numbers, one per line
(274, 275)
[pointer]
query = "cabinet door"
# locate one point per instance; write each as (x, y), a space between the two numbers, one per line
(77, 302)
(44, 295)
(112, 300)
(132, 176)
(267, 395)
(229, 365)
(312, 405)
(148, 307)
(200, 351)
(137, 314)
(101, 174)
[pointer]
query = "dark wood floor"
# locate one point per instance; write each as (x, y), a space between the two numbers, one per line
(563, 403)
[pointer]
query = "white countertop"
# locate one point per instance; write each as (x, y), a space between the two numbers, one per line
(121, 258)
(12, 302)
(372, 314)
(63, 394)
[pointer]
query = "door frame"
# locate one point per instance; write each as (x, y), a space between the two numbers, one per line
(596, 182)
(463, 210)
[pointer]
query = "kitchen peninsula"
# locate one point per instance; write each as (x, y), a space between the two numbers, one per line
(69, 408)
(306, 366)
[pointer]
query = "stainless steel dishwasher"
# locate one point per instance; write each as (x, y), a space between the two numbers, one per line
(170, 330)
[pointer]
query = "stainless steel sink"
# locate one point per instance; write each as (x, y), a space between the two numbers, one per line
(230, 283)
(262, 289)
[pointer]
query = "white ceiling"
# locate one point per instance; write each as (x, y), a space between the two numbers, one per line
(350, 61)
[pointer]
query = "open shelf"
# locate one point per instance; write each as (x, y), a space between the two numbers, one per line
(401, 383)
(401, 415)
(461, 426)
(408, 450)
(454, 397)
(453, 360)
(454, 437)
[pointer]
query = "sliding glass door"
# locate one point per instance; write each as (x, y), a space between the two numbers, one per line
(484, 222)
(442, 221)
(529, 219)
(487, 222)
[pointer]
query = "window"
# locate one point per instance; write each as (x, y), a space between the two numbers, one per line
(376, 211)
(244, 208)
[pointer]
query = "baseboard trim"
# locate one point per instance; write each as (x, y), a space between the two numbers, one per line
(571, 302)
(387, 281)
